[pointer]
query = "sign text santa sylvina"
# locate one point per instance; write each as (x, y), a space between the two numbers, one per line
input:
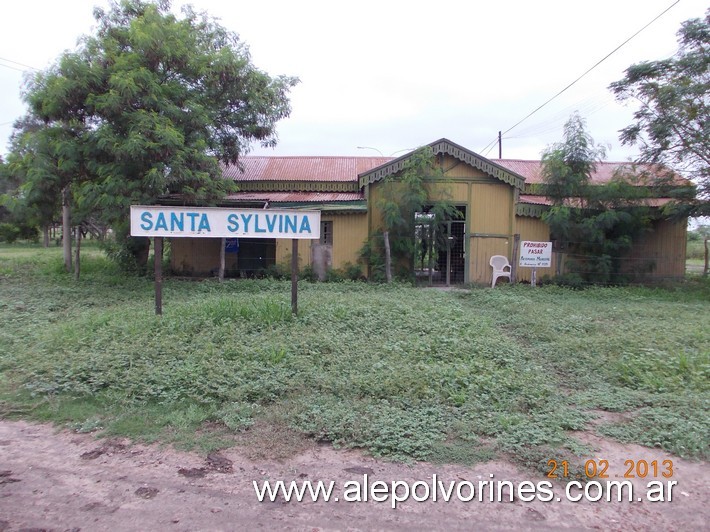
(217, 222)
(535, 254)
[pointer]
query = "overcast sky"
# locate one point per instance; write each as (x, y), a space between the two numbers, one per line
(394, 75)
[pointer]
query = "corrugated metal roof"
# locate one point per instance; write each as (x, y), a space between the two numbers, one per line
(294, 197)
(338, 169)
(542, 200)
(347, 168)
(535, 200)
(603, 173)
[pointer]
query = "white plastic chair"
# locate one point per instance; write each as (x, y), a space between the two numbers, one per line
(499, 263)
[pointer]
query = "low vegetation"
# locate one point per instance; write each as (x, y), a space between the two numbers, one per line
(405, 373)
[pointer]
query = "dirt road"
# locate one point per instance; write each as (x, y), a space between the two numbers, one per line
(60, 481)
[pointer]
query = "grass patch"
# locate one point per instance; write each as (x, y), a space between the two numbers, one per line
(404, 373)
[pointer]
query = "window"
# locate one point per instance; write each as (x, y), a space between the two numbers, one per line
(326, 233)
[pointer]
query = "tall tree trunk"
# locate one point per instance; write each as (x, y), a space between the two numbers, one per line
(66, 228)
(388, 257)
(45, 236)
(77, 256)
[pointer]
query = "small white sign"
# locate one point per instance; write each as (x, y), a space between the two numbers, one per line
(216, 222)
(535, 254)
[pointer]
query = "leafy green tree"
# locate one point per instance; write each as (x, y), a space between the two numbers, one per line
(154, 103)
(403, 196)
(42, 171)
(597, 224)
(672, 124)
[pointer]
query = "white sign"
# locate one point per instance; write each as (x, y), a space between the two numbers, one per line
(218, 222)
(535, 254)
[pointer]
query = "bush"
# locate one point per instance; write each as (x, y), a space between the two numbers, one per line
(353, 272)
(9, 233)
(278, 272)
(570, 280)
(308, 274)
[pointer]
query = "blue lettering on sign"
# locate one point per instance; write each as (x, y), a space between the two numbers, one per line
(256, 225)
(305, 225)
(147, 219)
(204, 223)
(177, 223)
(271, 223)
(160, 223)
(192, 216)
(246, 219)
(290, 223)
(237, 222)
(233, 223)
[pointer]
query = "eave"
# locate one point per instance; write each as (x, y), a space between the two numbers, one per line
(446, 147)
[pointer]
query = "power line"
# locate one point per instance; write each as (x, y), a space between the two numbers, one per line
(490, 145)
(13, 68)
(16, 63)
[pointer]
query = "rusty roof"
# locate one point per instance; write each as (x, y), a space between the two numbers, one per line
(347, 169)
(326, 169)
(296, 197)
(542, 200)
(603, 172)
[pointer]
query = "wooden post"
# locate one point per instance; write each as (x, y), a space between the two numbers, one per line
(533, 277)
(294, 276)
(158, 263)
(705, 270)
(222, 252)
(514, 261)
(77, 254)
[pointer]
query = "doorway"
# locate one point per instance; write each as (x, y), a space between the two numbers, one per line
(440, 248)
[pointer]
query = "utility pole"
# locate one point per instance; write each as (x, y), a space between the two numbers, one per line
(500, 145)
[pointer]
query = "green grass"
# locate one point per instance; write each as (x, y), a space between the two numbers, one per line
(404, 373)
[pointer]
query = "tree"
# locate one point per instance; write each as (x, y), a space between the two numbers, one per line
(595, 223)
(154, 102)
(37, 161)
(672, 126)
(403, 196)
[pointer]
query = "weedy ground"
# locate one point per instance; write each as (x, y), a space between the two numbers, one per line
(405, 373)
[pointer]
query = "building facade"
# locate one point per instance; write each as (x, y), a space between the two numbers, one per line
(499, 202)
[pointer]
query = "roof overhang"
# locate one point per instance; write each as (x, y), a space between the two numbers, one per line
(446, 147)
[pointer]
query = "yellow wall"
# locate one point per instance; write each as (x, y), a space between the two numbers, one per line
(489, 213)
(349, 234)
(195, 256)
(660, 254)
(283, 253)
(490, 227)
